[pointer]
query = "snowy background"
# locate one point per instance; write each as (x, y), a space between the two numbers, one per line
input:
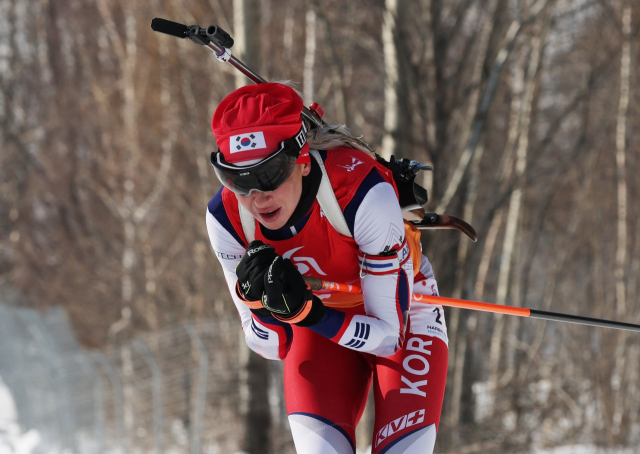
(15, 440)
(12, 438)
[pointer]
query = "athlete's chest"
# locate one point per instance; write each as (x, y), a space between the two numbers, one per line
(318, 250)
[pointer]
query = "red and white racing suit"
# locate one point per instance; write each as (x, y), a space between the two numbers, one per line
(379, 334)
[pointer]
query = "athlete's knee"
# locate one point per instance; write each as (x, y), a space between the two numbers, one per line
(315, 435)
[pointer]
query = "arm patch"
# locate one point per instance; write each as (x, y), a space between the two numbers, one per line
(389, 263)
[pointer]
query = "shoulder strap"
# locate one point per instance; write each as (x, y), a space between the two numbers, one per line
(328, 202)
(326, 199)
(248, 224)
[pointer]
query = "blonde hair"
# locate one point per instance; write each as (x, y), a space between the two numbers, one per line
(329, 137)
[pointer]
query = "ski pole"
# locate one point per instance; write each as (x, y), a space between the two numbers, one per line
(318, 284)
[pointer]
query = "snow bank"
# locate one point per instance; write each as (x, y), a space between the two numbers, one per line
(583, 449)
(12, 440)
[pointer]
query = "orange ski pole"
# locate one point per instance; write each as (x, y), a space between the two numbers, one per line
(319, 284)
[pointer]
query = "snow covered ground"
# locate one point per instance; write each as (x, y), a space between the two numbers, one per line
(12, 439)
(575, 449)
(584, 449)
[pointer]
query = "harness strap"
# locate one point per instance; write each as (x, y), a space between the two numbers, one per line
(248, 224)
(328, 202)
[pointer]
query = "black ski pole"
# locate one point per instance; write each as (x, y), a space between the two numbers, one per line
(524, 312)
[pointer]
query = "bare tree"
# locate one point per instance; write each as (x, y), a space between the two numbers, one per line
(622, 240)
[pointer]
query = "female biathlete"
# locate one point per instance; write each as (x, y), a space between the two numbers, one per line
(290, 208)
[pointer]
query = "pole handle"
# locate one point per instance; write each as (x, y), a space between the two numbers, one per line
(169, 28)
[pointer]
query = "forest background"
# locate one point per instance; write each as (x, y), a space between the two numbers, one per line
(527, 110)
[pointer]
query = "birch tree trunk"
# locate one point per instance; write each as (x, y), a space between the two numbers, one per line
(398, 90)
(621, 250)
(287, 33)
(391, 78)
(309, 57)
(246, 23)
(621, 133)
(129, 108)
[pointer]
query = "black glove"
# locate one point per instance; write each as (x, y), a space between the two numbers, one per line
(288, 297)
(252, 268)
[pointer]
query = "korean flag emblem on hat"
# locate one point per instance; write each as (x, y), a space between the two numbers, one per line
(246, 142)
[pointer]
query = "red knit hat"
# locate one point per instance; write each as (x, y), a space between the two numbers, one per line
(251, 122)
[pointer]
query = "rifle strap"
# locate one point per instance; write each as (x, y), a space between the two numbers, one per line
(248, 224)
(328, 202)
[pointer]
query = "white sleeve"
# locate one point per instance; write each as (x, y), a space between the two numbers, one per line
(270, 339)
(378, 225)
(379, 229)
